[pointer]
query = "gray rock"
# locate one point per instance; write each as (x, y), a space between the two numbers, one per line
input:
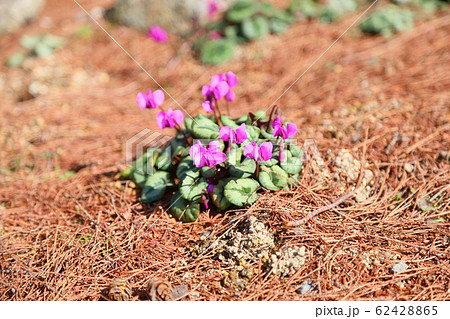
(399, 267)
(172, 15)
(15, 13)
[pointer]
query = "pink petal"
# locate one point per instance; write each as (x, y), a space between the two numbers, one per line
(281, 154)
(215, 79)
(178, 117)
(251, 150)
(141, 100)
(215, 158)
(158, 97)
(225, 133)
(223, 88)
(206, 90)
(197, 152)
(241, 134)
(231, 79)
(291, 129)
(266, 151)
(214, 146)
(230, 96)
(207, 106)
(161, 120)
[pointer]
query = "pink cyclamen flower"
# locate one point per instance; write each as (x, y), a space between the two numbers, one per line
(150, 100)
(157, 34)
(283, 132)
(238, 136)
(214, 36)
(232, 81)
(258, 153)
(169, 118)
(213, 8)
(207, 156)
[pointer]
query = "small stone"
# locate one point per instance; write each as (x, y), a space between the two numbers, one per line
(304, 288)
(444, 156)
(409, 168)
(195, 294)
(399, 267)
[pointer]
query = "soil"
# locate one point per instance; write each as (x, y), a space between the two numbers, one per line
(68, 226)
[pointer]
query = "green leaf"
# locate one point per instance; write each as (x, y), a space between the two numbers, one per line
(188, 123)
(255, 28)
(218, 197)
(182, 210)
(16, 60)
(228, 121)
(244, 119)
(29, 42)
(192, 185)
(267, 9)
(252, 133)
(204, 128)
(164, 160)
(241, 192)
(246, 168)
(260, 115)
(234, 155)
(126, 173)
(139, 178)
(335, 9)
(273, 178)
(185, 165)
(267, 134)
(218, 51)
(284, 16)
(295, 150)
(278, 26)
(155, 186)
(241, 10)
(52, 41)
(43, 50)
(208, 172)
(387, 20)
(308, 8)
(291, 164)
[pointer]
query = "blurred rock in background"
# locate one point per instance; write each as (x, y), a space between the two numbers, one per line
(172, 15)
(15, 13)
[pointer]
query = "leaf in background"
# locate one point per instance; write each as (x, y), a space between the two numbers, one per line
(29, 42)
(218, 51)
(185, 165)
(16, 60)
(241, 10)
(309, 8)
(255, 28)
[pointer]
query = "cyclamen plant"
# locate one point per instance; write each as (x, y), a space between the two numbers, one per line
(216, 162)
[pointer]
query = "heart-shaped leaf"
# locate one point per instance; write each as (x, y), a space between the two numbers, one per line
(192, 185)
(255, 28)
(155, 186)
(252, 133)
(291, 164)
(218, 197)
(273, 178)
(164, 160)
(182, 210)
(208, 172)
(204, 128)
(184, 166)
(246, 168)
(242, 191)
(217, 51)
(241, 10)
